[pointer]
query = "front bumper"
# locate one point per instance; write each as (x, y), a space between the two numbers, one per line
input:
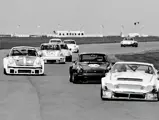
(59, 59)
(129, 95)
(25, 70)
(91, 76)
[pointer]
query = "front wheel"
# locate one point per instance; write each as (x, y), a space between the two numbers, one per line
(4, 71)
(74, 78)
(101, 94)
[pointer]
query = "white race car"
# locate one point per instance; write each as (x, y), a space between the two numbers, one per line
(23, 60)
(131, 80)
(52, 53)
(129, 42)
(55, 40)
(72, 45)
(66, 52)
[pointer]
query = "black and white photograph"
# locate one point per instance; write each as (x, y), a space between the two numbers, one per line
(79, 60)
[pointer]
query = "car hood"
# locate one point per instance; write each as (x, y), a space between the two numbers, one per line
(131, 77)
(24, 60)
(51, 52)
(93, 66)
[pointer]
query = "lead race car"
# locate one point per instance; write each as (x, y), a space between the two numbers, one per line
(72, 45)
(89, 67)
(131, 80)
(23, 60)
(129, 41)
(51, 52)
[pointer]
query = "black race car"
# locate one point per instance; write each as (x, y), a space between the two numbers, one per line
(89, 67)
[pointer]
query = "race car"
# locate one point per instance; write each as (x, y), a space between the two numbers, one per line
(131, 80)
(55, 40)
(89, 67)
(23, 60)
(128, 41)
(66, 52)
(51, 53)
(72, 45)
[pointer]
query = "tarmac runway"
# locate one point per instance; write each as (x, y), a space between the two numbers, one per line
(53, 97)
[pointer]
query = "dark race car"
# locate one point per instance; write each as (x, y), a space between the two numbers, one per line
(89, 67)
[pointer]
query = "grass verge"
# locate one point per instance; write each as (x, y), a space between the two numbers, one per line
(149, 57)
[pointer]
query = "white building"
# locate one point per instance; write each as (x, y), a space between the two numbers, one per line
(69, 33)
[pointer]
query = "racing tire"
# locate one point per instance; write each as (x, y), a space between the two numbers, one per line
(158, 96)
(69, 59)
(121, 45)
(4, 71)
(74, 79)
(136, 45)
(101, 94)
(70, 77)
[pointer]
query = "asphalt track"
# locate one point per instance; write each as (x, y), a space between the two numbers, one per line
(53, 98)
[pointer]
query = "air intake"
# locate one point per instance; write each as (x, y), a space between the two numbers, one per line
(130, 79)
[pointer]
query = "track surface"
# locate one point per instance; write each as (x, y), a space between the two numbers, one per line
(60, 99)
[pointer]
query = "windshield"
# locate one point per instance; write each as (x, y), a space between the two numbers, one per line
(92, 58)
(69, 42)
(24, 52)
(64, 46)
(128, 39)
(50, 47)
(55, 41)
(133, 68)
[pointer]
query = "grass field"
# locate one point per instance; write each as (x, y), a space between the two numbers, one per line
(150, 57)
(8, 42)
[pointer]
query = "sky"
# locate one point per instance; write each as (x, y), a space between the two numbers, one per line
(45, 16)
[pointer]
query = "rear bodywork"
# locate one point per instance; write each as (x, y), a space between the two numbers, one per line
(66, 52)
(52, 53)
(72, 45)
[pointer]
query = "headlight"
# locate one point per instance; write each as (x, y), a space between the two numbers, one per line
(37, 62)
(11, 62)
(109, 86)
(150, 87)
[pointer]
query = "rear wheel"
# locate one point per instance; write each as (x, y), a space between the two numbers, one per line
(70, 59)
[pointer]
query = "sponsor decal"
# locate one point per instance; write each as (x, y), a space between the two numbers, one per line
(93, 65)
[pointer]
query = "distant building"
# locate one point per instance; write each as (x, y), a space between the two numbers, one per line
(68, 33)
